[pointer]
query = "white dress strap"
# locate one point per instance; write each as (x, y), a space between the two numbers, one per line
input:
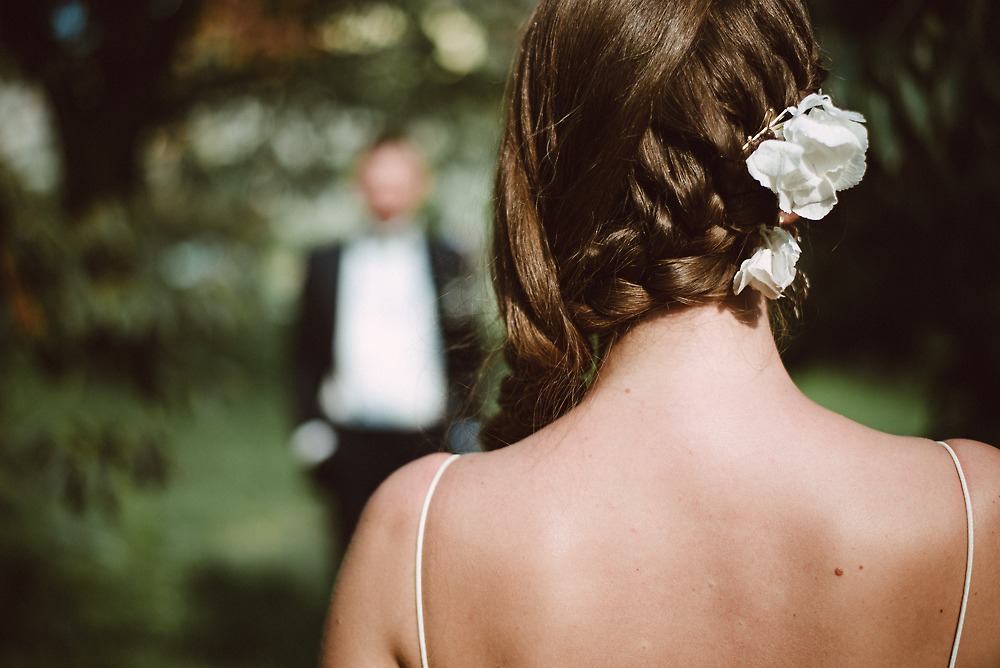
(969, 550)
(420, 558)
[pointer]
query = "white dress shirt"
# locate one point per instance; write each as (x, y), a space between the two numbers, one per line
(388, 352)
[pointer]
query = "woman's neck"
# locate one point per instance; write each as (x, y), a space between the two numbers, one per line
(696, 359)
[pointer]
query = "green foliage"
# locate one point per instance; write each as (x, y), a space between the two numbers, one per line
(111, 334)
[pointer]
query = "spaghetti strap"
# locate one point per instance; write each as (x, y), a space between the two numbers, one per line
(420, 558)
(969, 551)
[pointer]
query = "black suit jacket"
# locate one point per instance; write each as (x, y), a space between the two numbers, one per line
(313, 342)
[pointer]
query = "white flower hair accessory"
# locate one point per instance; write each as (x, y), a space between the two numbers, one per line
(817, 151)
(805, 155)
(771, 268)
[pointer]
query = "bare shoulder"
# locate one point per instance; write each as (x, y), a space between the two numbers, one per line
(981, 464)
(977, 455)
(371, 618)
(396, 503)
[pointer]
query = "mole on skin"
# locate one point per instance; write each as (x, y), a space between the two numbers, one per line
(838, 571)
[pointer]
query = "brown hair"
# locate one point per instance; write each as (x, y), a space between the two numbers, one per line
(621, 187)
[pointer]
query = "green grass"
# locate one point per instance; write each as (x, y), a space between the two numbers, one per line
(227, 565)
(242, 570)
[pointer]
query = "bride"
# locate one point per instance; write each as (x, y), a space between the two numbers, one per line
(657, 492)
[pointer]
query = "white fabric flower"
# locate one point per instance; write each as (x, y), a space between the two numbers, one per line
(771, 268)
(820, 150)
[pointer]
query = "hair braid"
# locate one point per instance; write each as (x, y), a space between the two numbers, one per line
(621, 188)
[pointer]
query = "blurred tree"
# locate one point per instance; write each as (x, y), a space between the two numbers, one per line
(103, 65)
(99, 327)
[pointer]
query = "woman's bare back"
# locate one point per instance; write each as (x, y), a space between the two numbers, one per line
(847, 552)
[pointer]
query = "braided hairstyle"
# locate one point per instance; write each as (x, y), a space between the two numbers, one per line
(621, 187)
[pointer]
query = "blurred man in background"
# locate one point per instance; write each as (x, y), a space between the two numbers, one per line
(385, 352)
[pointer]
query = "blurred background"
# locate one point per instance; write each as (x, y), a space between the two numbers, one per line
(166, 164)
